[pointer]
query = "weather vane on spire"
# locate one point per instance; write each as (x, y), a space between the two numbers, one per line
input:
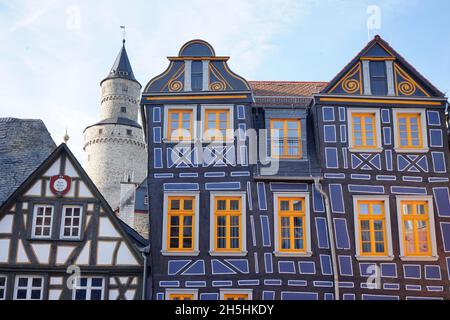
(123, 33)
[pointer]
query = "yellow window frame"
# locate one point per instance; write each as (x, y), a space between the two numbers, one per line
(415, 218)
(408, 117)
(371, 217)
(179, 128)
(181, 214)
(364, 132)
(285, 139)
(235, 296)
(212, 133)
(181, 296)
(291, 214)
(227, 213)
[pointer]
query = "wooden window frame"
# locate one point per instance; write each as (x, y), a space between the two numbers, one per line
(363, 117)
(227, 213)
(181, 113)
(306, 251)
(285, 154)
(388, 254)
(236, 292)
(166, 250)
(34, 224)
(420, 114)
(181, 292)
(351, 113)
(242, 250)
(432, 254)
(4, 287)
(206, 109)
(29, 286)
(89, 287)
(79, 226)
(291, 214)
(181, 213)
(167, 134)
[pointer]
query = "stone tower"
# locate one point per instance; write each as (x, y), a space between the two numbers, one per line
(115, 147)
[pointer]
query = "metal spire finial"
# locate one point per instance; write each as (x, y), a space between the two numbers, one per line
(66, 137)
(123, 33)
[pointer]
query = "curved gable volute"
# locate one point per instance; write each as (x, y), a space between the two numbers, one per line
(197, 58)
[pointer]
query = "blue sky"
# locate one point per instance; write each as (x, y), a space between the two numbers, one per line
(54, 53)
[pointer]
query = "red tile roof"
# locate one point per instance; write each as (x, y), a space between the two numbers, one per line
(286, 88)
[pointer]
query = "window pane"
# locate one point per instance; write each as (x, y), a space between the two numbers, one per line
(284, 205)
(175, 220)
(364, 208)
(21, 294)
(35, 294)
(366, 248)
(23, 282)
(377, 209)
(298, 205)
(234, 205)
(365, 236)
(175, 204)
(221, 204)
(187, 204)
(174, 118)
(96, 294)
(379, 248)
(187, 221)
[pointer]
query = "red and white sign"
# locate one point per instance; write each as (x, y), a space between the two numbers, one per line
(60, 184)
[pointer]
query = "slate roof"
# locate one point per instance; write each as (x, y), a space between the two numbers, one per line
(117, 120)
(24, 145)
(121, 67)
(285, 92)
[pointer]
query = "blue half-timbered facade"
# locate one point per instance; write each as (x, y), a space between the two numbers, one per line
(384, 154)
(295, 190)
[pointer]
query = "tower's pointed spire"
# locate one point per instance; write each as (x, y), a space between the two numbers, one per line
(121, 67)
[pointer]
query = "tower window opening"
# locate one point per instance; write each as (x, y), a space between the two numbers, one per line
(123, 109)
(129, 132)
(100, 131)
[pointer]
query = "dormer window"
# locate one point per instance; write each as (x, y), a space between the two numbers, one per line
(197, 76)
(378, 78)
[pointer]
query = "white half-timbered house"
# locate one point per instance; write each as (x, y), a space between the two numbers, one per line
(60, 240)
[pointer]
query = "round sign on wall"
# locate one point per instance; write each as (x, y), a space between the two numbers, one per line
(60, 184)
